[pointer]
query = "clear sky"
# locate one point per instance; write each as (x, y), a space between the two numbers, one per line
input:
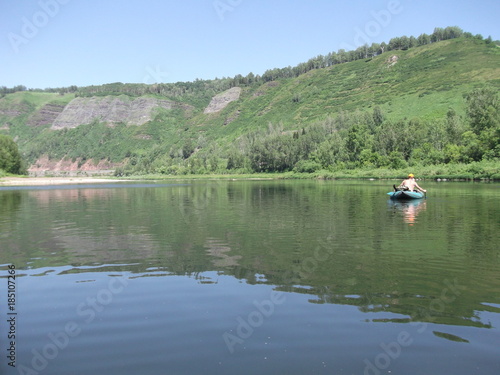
(55, 43)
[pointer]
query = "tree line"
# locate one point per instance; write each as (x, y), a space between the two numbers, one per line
(204, 89)
(364, 52)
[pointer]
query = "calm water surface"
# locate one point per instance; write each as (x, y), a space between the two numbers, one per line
(251, 277)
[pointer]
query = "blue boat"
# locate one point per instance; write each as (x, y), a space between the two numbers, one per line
(406, 194)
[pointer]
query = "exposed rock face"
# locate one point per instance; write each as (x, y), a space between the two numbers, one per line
(111, 110)
(45, 165)
(392, 60)
(46, 115)
(13, 110)
(220, 101)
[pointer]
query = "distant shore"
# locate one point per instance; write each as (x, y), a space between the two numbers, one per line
(44, 181)
(480, 171)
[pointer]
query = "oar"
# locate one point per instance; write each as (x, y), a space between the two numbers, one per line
(394, 192)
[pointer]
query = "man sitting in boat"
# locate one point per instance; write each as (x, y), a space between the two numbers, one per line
(410, 184)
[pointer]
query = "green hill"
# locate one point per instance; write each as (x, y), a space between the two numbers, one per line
(424, 82)
(400, 107)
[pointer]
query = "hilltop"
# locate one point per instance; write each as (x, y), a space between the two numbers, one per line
(331, 116)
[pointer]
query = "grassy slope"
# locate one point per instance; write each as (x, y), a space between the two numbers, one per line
(26, 103)
(424, 83)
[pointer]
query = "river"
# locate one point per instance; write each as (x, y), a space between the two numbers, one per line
(249, 277)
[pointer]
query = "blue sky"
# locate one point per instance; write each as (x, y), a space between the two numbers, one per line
(55, 43)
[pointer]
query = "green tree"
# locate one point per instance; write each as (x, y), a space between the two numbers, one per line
(473, 150)
(483, 109)
(331, 152)
(357, 140)
(438, 35)
(397, 161)
(452, 153)
(10, 158)
(454, 126)
(235, 159)
(404, 42)
(452, 32)
(413, 42)
(395, 43)
(378, 116)
(187, 148)
(423, 39)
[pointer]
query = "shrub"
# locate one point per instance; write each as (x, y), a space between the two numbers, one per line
(397, 161)
(10, 158)
(306, 166)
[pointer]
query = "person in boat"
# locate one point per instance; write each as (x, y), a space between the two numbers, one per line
(410, 184)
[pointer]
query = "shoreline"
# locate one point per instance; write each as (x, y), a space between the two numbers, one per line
(46, 181)
(12, 181)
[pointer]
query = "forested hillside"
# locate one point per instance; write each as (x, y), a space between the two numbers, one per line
(416, 101)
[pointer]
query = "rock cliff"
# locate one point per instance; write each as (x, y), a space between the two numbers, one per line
(111, 110)
(220, 101)
(66, 167)
(45, 115)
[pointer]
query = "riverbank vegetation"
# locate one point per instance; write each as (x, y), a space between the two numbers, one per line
(483, 170)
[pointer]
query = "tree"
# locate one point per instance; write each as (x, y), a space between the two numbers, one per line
(413, 42)
(342, 56)
(483, 109)
(423, 39)
(357, 140)
(452, 32)
(378, 116)
(10, 158)
(404, 42)
(331, 152)
(250, 78)
(454, 126)
(374, 49)
(437, 35)
(187, 149)
(472, 150)
(383, 47)
(397, 161)
(395, 43)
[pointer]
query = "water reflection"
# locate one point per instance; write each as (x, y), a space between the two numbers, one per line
(10, 203)
(218, 251)
(308, 238)
(409, 208)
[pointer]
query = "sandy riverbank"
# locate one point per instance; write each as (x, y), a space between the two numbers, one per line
(44, 181)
